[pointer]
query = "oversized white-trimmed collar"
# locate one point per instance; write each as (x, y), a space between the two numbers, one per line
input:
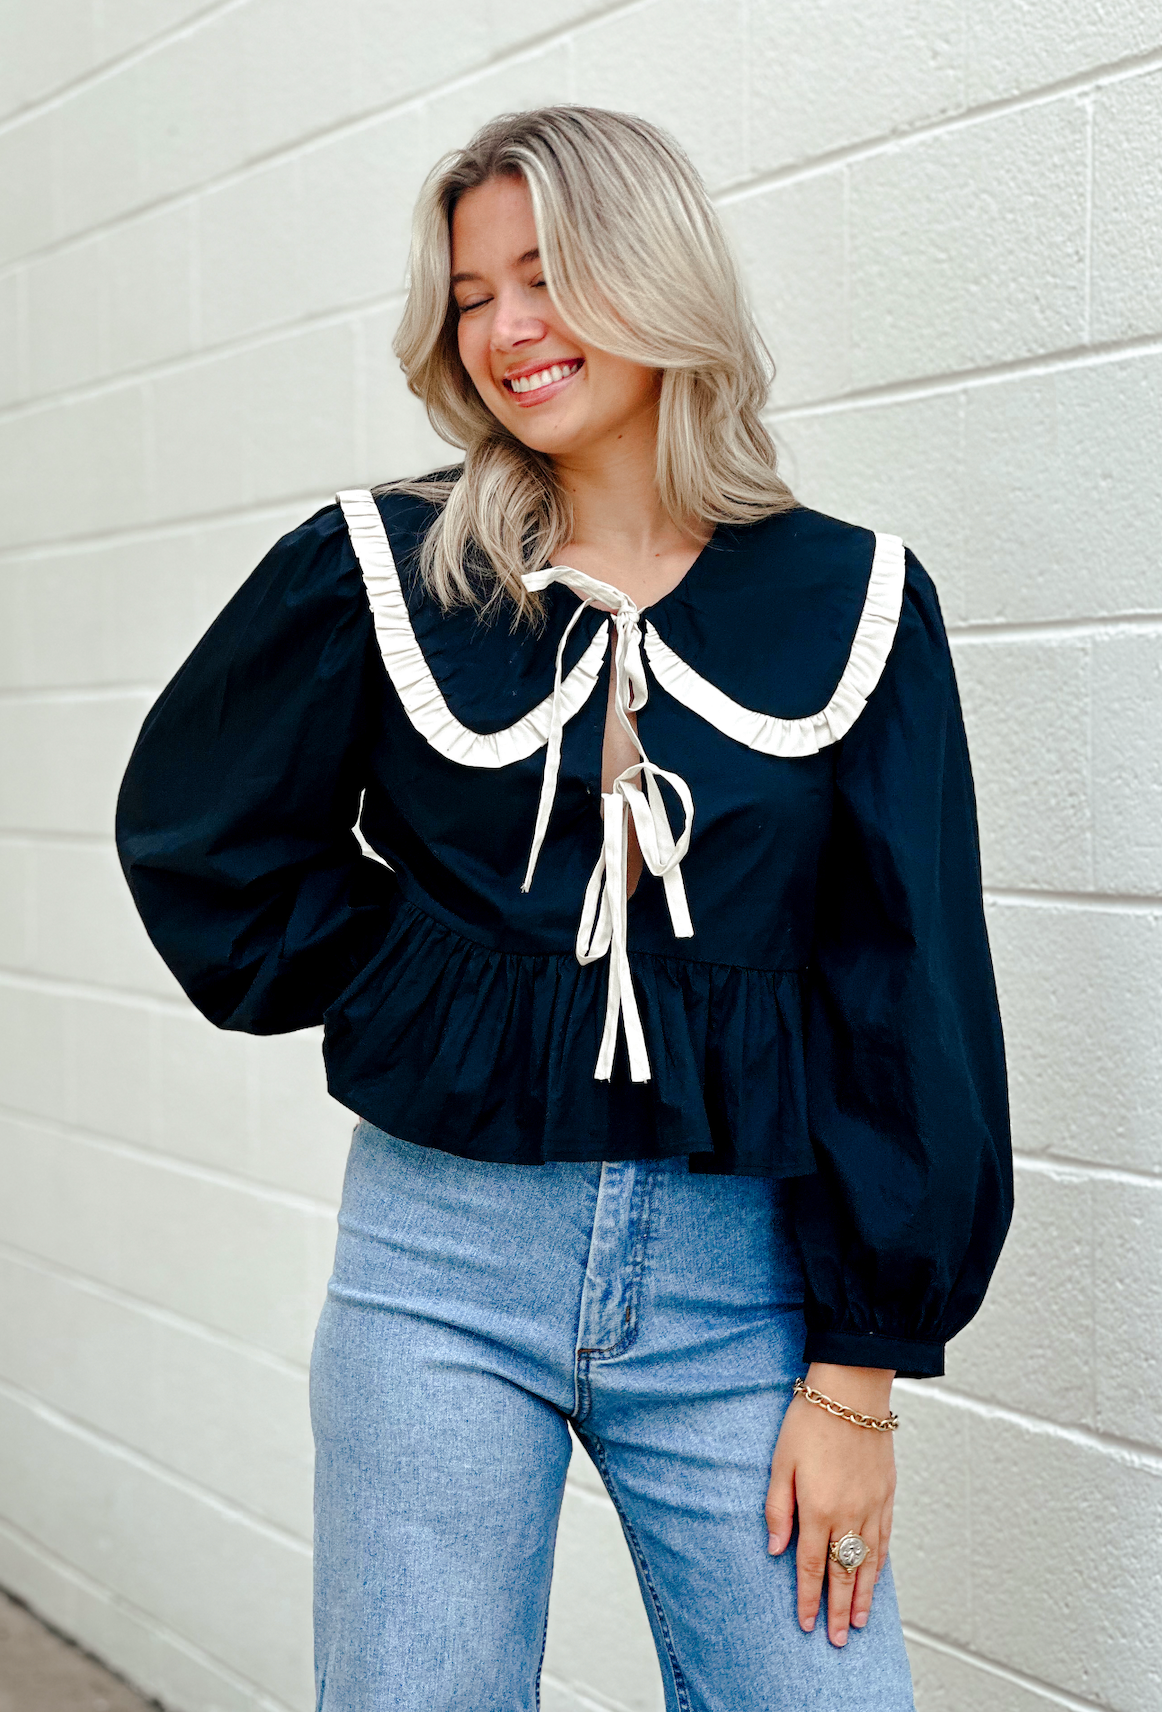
(602, 928)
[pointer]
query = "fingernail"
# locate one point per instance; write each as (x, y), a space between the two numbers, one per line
(772, 1545)
(809, 1625)
(841, 1638)
(858, 1621)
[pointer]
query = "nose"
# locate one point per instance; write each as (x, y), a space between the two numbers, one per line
(515, 321)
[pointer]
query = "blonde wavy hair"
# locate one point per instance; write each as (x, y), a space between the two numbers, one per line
(636, 262)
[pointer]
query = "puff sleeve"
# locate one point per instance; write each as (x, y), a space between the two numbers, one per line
(235, 818)
(901, 1225)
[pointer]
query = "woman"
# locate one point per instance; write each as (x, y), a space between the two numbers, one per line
(662, 991)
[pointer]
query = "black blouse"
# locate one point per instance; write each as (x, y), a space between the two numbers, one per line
(800, 985)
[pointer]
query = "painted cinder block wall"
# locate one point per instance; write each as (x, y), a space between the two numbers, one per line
(950, 215)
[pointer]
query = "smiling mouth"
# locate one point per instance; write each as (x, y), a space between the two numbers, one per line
(542, 378)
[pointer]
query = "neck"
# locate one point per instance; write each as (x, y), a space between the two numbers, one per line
(613, 488)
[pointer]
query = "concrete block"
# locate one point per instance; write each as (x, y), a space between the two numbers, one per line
(66, 317)
(189, 103)
(1066, 493)
(99, 170)
(63, 760)
(195, 1567)
(397, 436)
(398, 50)
(968, 248)
(595, 1592)
(790, 243)
(261, 424)
(1127, 765)
(231, 1257)
(1036, 1495)
(35, 1056)
(896, 467)
(659, 60)
(70, 468)
(1032, 792)
(250, 235)
(1015, 49)
(17, 919)
(13, 338)
(542, 79)
(1078, 992)
(1126, 253)
(149, 271)
(356, 195)
(304, 236)
(233, 1422)
(82, 923)
(1031, 1347)
(296, 69)
(128, 613)
(26, 207)
(54, 48)
(934, 1504)
(203, 1100)
(301, 1134)
(114, 1053)
(953, 1682)
(1128, 1303)
(900, 65)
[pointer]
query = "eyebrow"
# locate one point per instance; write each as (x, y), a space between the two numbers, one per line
(521, 261)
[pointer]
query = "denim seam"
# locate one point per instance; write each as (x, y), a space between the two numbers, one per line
(643, 1569)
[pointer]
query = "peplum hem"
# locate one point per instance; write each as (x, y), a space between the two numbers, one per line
(489, 1054)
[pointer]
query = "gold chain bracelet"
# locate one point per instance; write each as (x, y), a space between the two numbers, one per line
(871, 1422)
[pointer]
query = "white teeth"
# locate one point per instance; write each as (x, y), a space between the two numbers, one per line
(544, 377)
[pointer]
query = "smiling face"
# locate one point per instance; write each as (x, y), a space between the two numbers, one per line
(552, 391)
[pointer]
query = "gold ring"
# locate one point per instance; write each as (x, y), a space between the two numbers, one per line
(849, 1552)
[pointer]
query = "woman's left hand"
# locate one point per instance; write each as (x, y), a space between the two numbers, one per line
(841, 1478)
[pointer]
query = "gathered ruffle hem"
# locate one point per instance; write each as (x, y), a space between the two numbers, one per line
(485, 1053)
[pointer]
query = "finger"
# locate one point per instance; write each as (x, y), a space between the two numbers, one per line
(840, 1587)
(810, 1566)
(865, 1578)
(780, 1509)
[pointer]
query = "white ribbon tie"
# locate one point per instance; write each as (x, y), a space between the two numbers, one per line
(602, 929)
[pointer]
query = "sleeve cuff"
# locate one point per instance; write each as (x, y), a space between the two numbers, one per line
(856, 1349)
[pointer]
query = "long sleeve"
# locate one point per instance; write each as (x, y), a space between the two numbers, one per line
(235, 818)
(902, 1224)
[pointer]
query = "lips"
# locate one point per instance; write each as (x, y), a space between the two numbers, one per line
(532, 382)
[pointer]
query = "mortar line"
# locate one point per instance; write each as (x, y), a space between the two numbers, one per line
(1053, 629)
(150, 1310)
(1060, 1165)
(62, 695)
(118, 1602)
(176, 1165)
(1087, 229)
(105, 1443)
(1113, 903)
(66, 987)
(1130, 1453)
(1032, 1684)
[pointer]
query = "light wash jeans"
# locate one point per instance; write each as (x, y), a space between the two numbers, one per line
(475, 1309)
